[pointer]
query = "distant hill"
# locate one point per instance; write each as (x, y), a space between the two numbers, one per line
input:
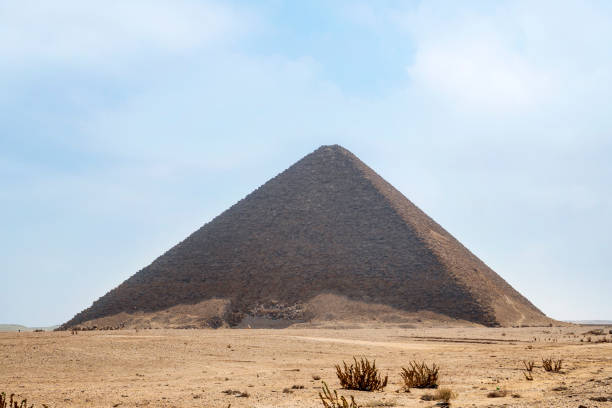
(595, 322)
(18, 327)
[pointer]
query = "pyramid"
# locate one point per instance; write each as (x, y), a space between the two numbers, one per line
(328, 225)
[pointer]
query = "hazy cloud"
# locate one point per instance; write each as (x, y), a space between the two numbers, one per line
(91, 32)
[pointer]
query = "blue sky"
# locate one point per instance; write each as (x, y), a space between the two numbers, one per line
(126, 125)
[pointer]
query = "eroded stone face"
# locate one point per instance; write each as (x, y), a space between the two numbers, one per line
(328, 224)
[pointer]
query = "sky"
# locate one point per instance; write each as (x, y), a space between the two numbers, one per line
(126, 125)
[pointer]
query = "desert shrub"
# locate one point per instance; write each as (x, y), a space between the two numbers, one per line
(600, 399)
(444, 394)
(420, 375)
(11, 402)
(497, 394)
(316, 377)
(297, 387)
(236, 393)
(330, 400)
(596, 332)
(552, 365)
(529, 364)
(287, 391)
(361, 376)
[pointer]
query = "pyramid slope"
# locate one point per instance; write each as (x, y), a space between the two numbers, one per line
(328, 224)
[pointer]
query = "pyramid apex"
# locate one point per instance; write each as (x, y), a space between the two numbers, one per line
(333, 148)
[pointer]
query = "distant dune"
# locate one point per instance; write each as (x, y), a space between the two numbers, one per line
(18, 327)
(591, 321)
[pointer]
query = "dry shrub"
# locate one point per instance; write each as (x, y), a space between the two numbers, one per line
(497, 394)
(11, 402)
(601, 399)
(361, 376)
(444, 394)
(316, 377)
(529, 364)
(419, 375)
(236, 393)
(528, 375)
(297, 387)
(552, 365)
(330, 400)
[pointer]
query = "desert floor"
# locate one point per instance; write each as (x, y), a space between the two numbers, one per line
(192, 368)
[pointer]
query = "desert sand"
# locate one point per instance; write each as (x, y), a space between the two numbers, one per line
(193, 368)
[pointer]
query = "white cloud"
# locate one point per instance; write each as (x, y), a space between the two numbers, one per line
(509, 58)
(479, 74)
(94, 31)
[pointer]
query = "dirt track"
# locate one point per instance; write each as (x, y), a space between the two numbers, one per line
(192, 368)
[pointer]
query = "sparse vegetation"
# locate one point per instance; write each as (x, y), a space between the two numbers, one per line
(497, 394)
(11, 402)
(236, 393)
(529, 364)
(330, 400)
(420, 375)
(362, 376)
(600, 399)
(552, 365)
(444, 394)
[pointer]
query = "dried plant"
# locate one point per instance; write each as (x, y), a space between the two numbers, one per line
(11, 402)
(237, 393)
(497, 394)
(552, 365)
(529, 364)
(444, 394)
(330, 400)
(528, 375)
(361, 376)
(420, 375)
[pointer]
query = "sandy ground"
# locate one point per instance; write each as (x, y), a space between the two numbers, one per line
(192, 368)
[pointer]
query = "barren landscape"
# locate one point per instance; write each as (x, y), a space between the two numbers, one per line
(268, 368)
